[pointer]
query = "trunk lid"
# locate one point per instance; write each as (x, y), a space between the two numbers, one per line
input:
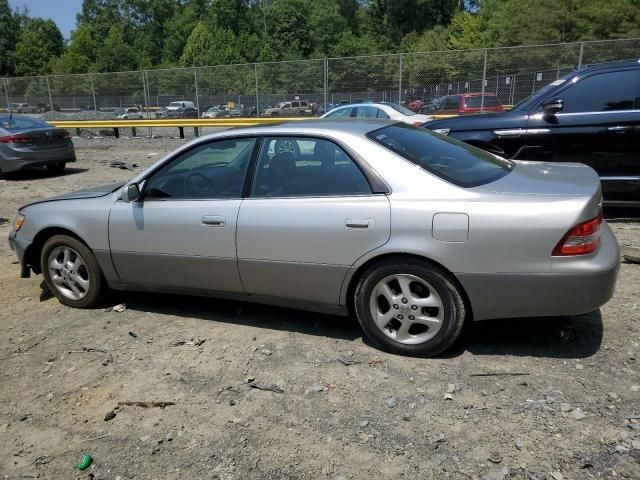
(42, 138)
(549, 179)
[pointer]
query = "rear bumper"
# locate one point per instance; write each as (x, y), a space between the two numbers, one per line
(574, 286)
(13, 161)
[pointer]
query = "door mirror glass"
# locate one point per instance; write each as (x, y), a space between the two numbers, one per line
(552, 107)
(131, 193)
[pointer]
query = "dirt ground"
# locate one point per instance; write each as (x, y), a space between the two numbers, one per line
(523, 399)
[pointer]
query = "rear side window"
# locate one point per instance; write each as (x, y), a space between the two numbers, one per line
(18, 122)
(489, 101)
(340, 113)
(451, 102)
(601, 92)
(445, 157)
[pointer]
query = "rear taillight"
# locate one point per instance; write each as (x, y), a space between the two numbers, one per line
(16, 139)
(64, 134)
(581, 239)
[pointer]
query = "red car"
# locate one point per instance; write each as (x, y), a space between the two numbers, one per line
(464, 104)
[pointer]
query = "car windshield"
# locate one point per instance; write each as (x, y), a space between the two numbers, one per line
(399, 108)
(175, 104)
(476, 101)
(17, 122)
(445, 157)
(528, 102)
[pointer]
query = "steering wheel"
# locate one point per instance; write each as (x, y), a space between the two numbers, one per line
(198, 185)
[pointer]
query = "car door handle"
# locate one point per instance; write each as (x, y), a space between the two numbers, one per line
(620, 128)
(213, 220)
(361, 224)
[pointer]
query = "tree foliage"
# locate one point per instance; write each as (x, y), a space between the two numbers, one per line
(119, 35)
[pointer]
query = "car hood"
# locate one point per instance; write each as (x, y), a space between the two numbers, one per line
(94, 192)
(481, 121)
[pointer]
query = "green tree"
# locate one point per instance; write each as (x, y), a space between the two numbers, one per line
(114, 55)
(38, 41)
(205, 46)
(326, 26)
(288, 28)
(8, 28)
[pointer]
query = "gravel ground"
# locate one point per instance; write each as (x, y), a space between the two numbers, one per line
(524, 399)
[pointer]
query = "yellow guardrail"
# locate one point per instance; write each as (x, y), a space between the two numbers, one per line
(175, 123)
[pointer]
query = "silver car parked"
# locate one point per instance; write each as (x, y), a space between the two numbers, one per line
(413, 232)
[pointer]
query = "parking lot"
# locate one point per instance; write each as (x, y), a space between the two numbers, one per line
(531, 399)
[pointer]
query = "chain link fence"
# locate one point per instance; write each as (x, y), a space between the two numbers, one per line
(511, 73)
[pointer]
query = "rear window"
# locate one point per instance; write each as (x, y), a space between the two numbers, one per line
(17, 122)
(489, 101)
(445, 157)
(399, 108)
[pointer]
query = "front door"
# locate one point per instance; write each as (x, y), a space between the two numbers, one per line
(599, 125)
(181, 235)
(310, 216)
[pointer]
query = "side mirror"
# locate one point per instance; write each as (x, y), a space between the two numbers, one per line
(131, 193)
(552, 107)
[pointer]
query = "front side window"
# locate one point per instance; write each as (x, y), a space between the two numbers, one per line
(213, 170)
(305, 166)
(601, 93)
(445, 157)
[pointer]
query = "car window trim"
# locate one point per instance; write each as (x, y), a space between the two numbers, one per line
(179, 154)
(377, 185)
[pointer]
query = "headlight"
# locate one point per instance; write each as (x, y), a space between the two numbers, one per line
(17, 223)
(442, 131)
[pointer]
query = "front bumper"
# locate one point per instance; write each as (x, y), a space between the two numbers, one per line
(20, 247)
(575, 285)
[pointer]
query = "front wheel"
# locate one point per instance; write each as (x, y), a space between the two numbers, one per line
(410, 307)
(72, 272)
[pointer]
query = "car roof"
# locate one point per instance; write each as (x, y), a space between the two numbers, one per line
(336, 126)
(607, 65)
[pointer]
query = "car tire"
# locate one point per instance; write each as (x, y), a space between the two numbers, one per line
(57, 167)
(420, 313)
(79, 281)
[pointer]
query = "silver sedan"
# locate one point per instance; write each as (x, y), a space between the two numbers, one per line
(412, 232)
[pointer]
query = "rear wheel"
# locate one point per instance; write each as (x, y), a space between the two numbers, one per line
(72, 272)
(57, 167)
(410, 307)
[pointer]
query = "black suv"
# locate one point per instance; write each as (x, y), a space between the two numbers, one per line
(590, 116)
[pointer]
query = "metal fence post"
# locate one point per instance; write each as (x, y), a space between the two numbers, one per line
(581, 53)
(326, 84)
(255, 75)
(484, 79)
(50, 98)
(6, 93)
(400, 81)
(93, 94)
(195, 82)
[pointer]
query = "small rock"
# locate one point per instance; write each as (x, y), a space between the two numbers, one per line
(495, 457)
(169, 437)
(557, 475)
(412, 405)
(612, 397)
(232, 402)
(448, 396)
(565, 407)
(110, 415)
(266, 352)
(392, 402)
(119, 308)
(518, 444)
(579, 366)
(250, 379)
(451, 388)
(577, 414)
(145, 438)
(50, 396)
(132, 334)
(318, 387)
(364, 423)
(622, 449)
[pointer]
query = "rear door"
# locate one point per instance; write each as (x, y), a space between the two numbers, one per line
(310, 216)
(599, 125)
